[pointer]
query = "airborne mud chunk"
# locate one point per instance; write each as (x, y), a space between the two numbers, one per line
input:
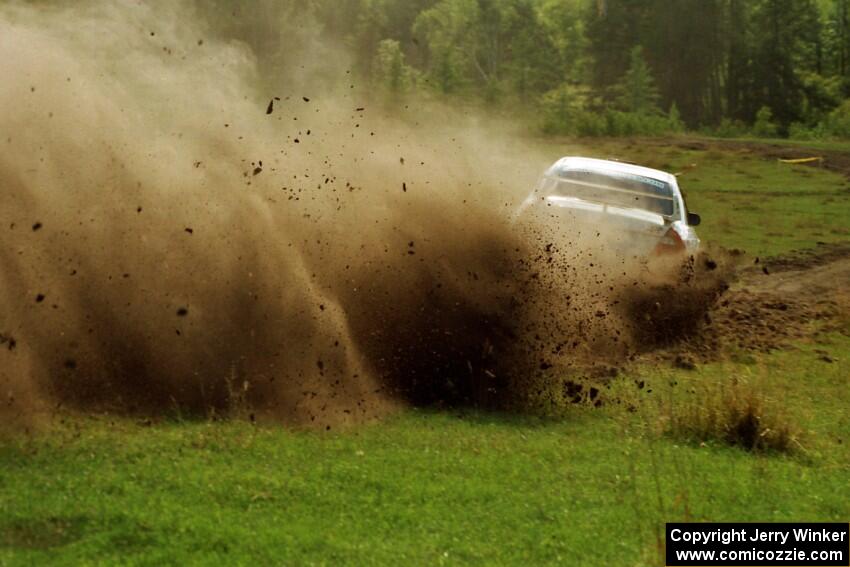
(9, 341)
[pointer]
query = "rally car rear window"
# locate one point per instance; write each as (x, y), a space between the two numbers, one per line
(614, 188)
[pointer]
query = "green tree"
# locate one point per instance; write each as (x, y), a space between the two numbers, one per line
(444, 28)
(612, 32)
(563, 109)
(837, 36)
(738, 72)
(675, 119)
(390, 72)
(563, 47)
(533, 63)
(780, 32)
(475, 44)
(684, 41)
(638, 92)
(715, 62)
(374, 21)
(764, 126)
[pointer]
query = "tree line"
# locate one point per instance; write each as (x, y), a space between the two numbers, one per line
(587, 67)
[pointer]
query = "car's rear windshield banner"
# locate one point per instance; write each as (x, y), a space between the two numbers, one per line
(655, 185)
(758, 544)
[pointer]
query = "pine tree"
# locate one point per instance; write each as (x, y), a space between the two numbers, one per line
(611, 34)
(638, 92)
(684, 41)
(675, 119)
(779, 29)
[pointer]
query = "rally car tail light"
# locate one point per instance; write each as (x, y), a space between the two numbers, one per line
(670, 243)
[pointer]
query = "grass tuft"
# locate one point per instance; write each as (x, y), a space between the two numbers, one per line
(737, 413)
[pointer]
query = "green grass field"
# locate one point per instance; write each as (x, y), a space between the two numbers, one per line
(582, 486)
(809, 145)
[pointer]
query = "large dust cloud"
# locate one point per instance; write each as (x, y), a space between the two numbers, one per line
(176, 239)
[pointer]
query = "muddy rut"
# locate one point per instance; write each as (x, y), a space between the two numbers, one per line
(774, 302)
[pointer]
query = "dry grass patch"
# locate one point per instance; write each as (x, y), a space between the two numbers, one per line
(737, 412)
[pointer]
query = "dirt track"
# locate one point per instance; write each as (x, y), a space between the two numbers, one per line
(772, 303)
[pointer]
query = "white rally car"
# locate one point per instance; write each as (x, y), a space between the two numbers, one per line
(644, 207)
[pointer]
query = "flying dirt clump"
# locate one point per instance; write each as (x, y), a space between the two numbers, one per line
(171, 245)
